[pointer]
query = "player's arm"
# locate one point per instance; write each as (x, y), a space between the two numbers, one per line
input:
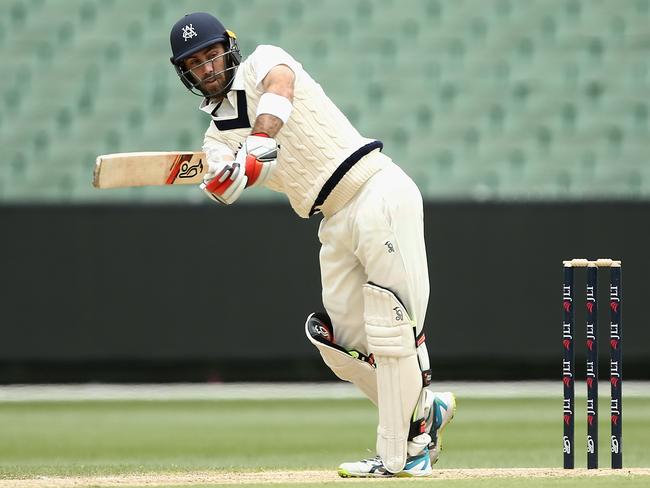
(275, 72)
(259, 152)
(271, 117)
(226, 179)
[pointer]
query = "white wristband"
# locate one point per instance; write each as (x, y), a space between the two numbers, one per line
(271, 103)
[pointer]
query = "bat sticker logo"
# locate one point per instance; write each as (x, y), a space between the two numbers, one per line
(180, 168)
(188, 171)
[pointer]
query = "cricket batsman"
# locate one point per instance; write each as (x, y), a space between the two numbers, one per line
(272, 125)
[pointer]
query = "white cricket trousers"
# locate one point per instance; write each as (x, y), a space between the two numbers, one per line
(378, 237)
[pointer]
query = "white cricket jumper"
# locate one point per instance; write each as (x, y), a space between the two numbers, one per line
(316, 139)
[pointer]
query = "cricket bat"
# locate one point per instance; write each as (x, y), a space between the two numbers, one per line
(122, 170)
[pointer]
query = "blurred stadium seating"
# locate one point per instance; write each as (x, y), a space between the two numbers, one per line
(479, 99)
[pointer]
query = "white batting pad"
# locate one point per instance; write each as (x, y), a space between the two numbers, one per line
(391, 338)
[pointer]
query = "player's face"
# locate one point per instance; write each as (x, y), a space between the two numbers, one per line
(208, 67)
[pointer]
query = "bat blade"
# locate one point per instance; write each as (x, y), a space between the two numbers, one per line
(122, 170)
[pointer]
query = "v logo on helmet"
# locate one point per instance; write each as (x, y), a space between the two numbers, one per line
(189, 32)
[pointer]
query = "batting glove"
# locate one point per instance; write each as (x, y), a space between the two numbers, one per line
(224, 181)
(258, 155)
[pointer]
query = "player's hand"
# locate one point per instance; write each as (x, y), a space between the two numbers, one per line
(224, 181)
(258, 156)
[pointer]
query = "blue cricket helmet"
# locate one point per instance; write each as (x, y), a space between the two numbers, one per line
(195, 32)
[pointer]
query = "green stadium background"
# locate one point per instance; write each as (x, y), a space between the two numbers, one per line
(480, 99)
(524, 123)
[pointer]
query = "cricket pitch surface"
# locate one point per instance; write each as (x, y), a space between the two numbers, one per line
(316, 477)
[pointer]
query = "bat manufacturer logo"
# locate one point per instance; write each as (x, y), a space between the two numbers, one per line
(567, 381)
(567, 306)
(180, 168)
(590, 307)
(188, 171)
(613, 306)
(189, 32)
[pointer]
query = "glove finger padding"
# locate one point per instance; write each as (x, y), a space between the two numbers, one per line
(235, 184)
(219, 184)
(227, 186)
(235, 190)
(217, 173)
(266, 170)
(225, 180)
(258, 156)
(258, 171)
(253, 169)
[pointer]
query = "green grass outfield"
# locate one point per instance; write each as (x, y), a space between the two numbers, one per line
(105, 438)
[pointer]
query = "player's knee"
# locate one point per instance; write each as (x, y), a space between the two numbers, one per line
(347, 365)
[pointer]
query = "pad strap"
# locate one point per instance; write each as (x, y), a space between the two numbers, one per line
(417, 427)
(421, 348)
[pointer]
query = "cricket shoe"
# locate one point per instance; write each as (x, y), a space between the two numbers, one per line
(415, 466)
(441, 410)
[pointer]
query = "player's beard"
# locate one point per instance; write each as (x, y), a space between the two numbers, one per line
(214, 84)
